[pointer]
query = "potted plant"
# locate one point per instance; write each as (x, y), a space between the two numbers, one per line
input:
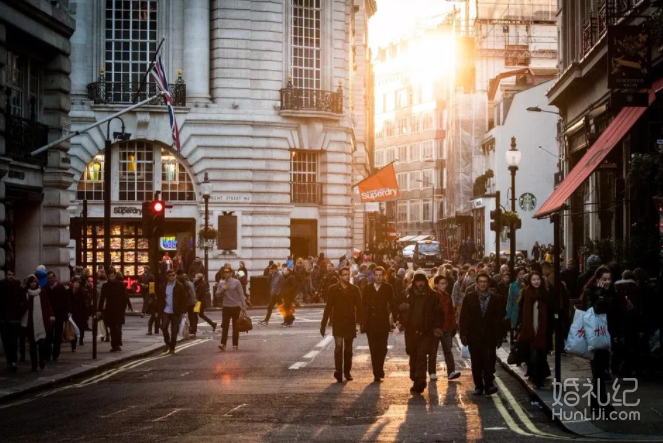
(210, 235)
(509, 217)
(489, 173)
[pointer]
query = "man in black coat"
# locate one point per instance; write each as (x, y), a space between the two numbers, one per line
(173, 305)
(112, 304)
(344, 306)
(144, 284)
(59, 300)
(481, 329)
(13, 305)
(421, 315)
(379, 301)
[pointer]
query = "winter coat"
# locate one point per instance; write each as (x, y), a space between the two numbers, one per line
(433, 314)
(144, 283)
(59, 300)
(478, 329)
(276, 284)
(329, 279)
(12, 301)
(113, 302)
(79, 306)
(46, 313)
(196, 268)
(512, 303)
(180, 299)
(541, 338)
(290, 286)
(202, 293)
(346, 310)
(449, 318)
(604, 302)
(377, 306)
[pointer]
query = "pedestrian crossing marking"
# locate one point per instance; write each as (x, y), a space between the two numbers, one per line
(399, 374)
(365, 348)
(325, 341)
(299, 364)
(311, 354)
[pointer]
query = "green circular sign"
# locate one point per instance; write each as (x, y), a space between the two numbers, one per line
(527, 201)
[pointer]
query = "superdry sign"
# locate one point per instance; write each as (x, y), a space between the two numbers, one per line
(122, 210)
(380, 186)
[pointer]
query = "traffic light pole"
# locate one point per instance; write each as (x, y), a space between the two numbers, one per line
(498, 230)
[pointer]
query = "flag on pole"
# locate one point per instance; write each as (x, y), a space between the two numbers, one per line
(159, 75)
(380, 186)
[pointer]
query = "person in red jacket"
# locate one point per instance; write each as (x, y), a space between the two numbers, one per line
(449, 329)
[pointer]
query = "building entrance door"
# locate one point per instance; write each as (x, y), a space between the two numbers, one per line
(303, 238)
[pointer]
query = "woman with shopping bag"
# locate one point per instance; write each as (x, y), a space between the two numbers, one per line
(37, 321)
(112, 304)
(78, 301)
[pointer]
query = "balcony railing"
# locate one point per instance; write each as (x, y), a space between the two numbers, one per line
(299, 99)
(589, 34)
(306, 193)
(111, 93)
(22, 136)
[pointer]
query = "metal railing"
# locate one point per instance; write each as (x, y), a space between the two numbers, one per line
(110, 93)
(589, 34)
(307, 193)
(300, 99)
(22, 136)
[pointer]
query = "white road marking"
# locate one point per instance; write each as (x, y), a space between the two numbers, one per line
(495, 429)
(227, 414)
(299, 364)
(168, 415)
(117, 412)
(311, 354)
(366, 348)
(325, 341)
(399, 374)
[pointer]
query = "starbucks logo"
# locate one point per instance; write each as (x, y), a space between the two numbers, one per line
(527, 202)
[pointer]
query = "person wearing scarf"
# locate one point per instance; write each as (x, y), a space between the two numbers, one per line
(38, 321)
(536, 328)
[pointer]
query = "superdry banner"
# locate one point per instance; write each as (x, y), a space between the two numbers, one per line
(380, 186)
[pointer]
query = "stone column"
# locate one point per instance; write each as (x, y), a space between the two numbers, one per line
(197, 49)
(4, 167)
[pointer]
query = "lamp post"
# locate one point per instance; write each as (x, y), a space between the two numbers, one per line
(207, 192)
(513, 157)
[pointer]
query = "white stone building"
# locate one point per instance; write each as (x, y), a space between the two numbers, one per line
(269, 106)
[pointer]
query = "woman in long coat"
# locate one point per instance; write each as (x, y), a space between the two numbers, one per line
(38, 321)
(78, 300)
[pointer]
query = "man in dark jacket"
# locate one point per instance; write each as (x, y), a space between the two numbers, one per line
(173, 304)
(197, 267)
(13, 305)
(59, 300)
(570, 278)
(421, 315)
(330, 278)
(593, 263)
(481, 329)
(275, 292)
(379, 301)
(345, 308)
(112, 304)
(144, 284)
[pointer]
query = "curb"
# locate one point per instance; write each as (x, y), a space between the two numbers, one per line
(580, 428)
(94, 366)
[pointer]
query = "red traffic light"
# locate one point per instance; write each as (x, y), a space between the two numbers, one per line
(158, 206)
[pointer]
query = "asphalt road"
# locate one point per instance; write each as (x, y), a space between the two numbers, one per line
(278, 387)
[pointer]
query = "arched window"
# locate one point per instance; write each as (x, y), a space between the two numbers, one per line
(136, 166)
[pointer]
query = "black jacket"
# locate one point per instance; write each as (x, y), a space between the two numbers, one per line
(12, 301)
(59, 300)
(290, 285)
(345, 308)
(479, 329)
(377, 306)
(113, 302)
(433, 315)
(79, 303)
(202, 293)
(180, 299)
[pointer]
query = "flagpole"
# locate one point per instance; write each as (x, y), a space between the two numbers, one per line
(384, 167)
(149, 69)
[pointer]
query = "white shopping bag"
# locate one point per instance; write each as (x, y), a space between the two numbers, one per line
(596, 330)
(101, 328)
(576, 342)
(77, 332)
(184, 328)
(465, 352)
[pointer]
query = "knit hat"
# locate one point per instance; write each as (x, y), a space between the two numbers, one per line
(401, 273)
(420, 275)
(41, 277)
(593, 261)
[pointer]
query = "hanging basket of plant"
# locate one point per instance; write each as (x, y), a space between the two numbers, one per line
(509, 217)
(207, 236)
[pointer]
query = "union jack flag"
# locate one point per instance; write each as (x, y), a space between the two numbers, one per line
(160, 78)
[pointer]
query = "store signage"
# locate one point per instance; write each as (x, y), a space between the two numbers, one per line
(168, 243)
(232, 198)
(629, 57)
(372, 207)
(606, 165)
(122, 210)
(527, 201)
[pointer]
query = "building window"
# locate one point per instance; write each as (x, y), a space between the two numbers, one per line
(136, 171)
(131, 39)
(379, 157)
(415, 211)
(305, 43)
(401, 178)
(415, 122)
(416, 95)
(402, 126)
(415, 152)
(427, 122)
(427, 179)
(304, 177)
(427, 209)
(389, 128)
(24, 87)
(176, 185)
(402, 212)
(427, 149)
(402, 97)
(91, 184)
(390, 102)
(391, 155)
(415, 180)
(402, 153)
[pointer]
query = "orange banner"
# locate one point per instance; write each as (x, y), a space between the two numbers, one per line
(380, 186)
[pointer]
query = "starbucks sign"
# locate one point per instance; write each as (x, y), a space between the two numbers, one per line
(527, 201)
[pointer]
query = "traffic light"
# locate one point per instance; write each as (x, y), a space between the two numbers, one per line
(158, 216)
(147, 218)
(496, 220)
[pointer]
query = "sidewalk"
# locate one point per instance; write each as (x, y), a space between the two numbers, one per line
(70, 365)
(649, 393)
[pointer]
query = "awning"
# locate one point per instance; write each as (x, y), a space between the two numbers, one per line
(613, 134)
(421, 238)
(407, 238)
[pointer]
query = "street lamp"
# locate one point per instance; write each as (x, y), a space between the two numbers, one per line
(513, 157)
(537, 109)
(206, 189)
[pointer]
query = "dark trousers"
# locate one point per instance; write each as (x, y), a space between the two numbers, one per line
(41, 348)
(172, 321)
(193, 320)
(446, 339)
(154, 320)
(202, 315)
(9, 332)
(274, 301)
(228, 313)
(377, 344)
(417, 347)
(115, 335)
(600, 364)
(483, 356)
(54, 340)
(343, 354)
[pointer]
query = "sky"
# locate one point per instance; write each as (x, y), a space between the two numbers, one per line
(397, 19)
